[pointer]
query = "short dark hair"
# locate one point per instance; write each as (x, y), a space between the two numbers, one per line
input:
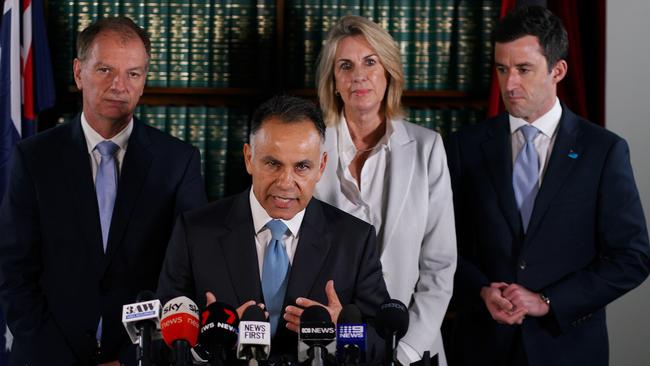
(539, 22)
(121, 25)
(288, 109)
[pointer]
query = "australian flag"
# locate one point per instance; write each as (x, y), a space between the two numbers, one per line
(26, 87)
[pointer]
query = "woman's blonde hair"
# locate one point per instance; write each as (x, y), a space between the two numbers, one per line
(387, 52)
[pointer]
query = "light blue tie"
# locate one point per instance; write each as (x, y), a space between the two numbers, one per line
(106, 186)
(106, 189)
(525, 175)
(275, 273)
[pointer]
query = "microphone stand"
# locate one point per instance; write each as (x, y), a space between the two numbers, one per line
(144, 346)
(391, 346)
(182, 353)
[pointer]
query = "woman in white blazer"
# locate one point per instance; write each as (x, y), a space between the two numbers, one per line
(390, 173)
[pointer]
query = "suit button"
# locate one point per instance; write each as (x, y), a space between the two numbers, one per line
(522, 264)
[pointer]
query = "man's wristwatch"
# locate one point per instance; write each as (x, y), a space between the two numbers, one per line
(545, 299)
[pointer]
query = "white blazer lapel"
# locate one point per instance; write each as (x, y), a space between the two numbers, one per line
(402, 150)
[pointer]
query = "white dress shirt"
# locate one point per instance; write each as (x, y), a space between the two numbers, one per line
(544, 141)
(368, 201)
(263, 234)
(93, 138)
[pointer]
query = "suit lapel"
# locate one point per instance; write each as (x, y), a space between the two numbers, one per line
(401, 170)
(135, 168)
(239, 251)
(563, 157)
(78, 173)
(497, 155)
(311, 253)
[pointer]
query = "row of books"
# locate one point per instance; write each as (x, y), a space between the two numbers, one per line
(198, 43)
(220, 133)
(445, 44)
(445, 120)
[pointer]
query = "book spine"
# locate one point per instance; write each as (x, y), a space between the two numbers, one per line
(441, 38)
(134, 9)
(177, 122)
(312, 40)
(265, 23)
(197, 116)
(62, 18)
(402, 30)
(489, 17)
(199, 52)
(236, 176)
(157, 19)
(467, 45)
(422, 48)
(179, 41)
(220, 58)
(86, 12)
(383, 14)
(242, 43)
(295, 34)
(216, 152)
(349, 7)
(108, 8)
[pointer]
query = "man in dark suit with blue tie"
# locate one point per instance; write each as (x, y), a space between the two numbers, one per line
(549, 221)
(89, 210)
(275, 244)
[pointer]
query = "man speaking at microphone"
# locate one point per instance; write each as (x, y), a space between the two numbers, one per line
(274, 244)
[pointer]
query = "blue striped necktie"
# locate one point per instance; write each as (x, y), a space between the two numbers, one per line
(525, 175)
(106, 186)
(275, 273)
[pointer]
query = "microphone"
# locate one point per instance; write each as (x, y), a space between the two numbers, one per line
(180, 328)
(142, 322)
(392, 322)
(218, 335)
(254, 335)
(317, 336)
(350, 336)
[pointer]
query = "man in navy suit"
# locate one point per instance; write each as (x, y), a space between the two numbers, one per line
(224, 248)
(89, 210)
(549, 220)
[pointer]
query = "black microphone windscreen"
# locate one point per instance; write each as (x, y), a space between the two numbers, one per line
(392, 317)
(253, 313)
(350, 314)
(145, 295)
(315, 313)
(219, 325)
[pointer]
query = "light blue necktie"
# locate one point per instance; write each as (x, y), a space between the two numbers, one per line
(525, 175)
(106, 186)
(275, 273)
(106, 189)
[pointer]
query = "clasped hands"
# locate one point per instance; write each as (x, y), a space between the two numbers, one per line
(511, 303)
(292, 313)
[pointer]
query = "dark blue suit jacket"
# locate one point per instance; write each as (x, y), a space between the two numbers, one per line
(213, 249)
(55, 280)
(587, 242)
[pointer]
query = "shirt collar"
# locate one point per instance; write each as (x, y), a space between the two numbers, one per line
(547, 123)
(261, 217)
(93, 137)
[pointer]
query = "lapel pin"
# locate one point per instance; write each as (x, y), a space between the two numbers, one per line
(573, 154)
